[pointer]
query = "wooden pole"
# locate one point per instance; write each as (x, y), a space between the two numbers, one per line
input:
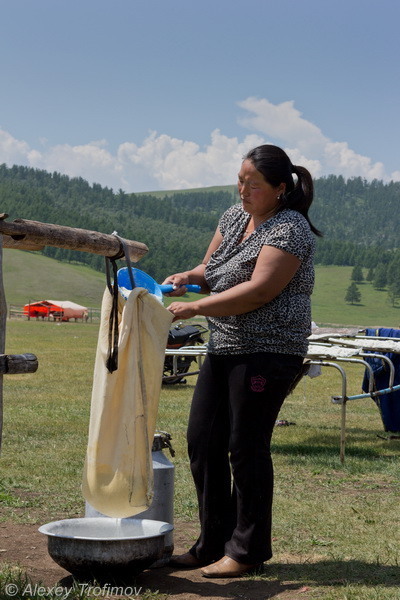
(3, 320)
(9, 242)
(36, 235)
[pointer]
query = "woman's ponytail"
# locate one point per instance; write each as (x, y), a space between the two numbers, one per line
(301, 196)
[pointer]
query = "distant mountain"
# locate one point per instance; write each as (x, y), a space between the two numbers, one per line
(360, 220)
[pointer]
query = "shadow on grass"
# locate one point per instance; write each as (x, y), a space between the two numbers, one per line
(337, 572)
(274, 580)
(327, 444)
(316, 449)
(356, 304)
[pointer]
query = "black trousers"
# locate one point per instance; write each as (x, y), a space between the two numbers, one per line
(235, 405)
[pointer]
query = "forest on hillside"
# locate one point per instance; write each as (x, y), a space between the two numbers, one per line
(359, 219)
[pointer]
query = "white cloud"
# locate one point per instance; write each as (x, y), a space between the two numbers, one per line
(345, 161)
(165, 162)
(161, 162)
(282, 122)
(87, 161)
(305, 142)
(177, 164)
(12, 151)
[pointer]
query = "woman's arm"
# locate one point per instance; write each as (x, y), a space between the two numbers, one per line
(196, 275)
(273, 271)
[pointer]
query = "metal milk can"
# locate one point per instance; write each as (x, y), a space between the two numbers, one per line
(162, 506)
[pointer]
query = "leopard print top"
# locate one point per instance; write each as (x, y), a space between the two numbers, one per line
(281, 325)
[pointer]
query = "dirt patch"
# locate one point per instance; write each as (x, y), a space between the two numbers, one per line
(22, 545)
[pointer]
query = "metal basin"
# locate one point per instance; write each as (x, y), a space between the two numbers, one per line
(105, 549)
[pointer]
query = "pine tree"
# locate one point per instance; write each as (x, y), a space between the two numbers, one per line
(380, 279)
(394, 292)
(353, 294)
(357, 274)
(370, 274)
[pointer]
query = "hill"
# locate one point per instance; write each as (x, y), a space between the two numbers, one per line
(360, 220)
(231, 189)
(29, 276)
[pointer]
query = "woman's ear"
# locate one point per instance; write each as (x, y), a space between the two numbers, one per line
(281, 189)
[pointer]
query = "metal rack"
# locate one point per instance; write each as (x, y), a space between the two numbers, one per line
(328, 351)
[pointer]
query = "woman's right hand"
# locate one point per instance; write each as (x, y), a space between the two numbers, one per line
(179, 281)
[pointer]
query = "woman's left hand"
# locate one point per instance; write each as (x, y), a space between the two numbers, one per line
(182, 310)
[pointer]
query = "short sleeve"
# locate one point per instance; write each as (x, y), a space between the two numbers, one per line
(292, 235)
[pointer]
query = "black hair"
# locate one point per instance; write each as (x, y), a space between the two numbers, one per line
(276, 167)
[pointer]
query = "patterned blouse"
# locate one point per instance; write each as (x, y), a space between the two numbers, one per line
(281, 325)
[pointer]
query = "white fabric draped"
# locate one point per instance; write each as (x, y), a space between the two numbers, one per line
(118, 474)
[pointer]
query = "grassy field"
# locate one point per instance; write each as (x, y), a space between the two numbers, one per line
(335, 525)
(329, 306)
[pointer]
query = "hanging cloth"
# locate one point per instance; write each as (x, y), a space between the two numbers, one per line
(118, 473)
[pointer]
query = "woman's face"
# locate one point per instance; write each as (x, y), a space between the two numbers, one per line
(258, 197)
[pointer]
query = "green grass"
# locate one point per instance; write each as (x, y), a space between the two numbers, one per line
(334, 524)
(328, 305)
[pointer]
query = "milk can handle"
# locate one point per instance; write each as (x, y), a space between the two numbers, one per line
(165, 442)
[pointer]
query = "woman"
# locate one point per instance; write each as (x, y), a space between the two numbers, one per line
(258, 270)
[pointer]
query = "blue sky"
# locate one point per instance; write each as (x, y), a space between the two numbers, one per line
(168, 94)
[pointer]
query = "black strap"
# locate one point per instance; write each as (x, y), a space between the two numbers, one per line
(113, 333)
(127, 258)
(112, 359)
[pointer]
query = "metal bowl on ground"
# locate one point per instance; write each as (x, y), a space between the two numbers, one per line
(105, 549)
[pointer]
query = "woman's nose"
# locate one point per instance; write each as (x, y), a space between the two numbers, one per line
(243, 189)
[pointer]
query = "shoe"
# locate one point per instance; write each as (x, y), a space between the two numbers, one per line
(228, 567)
(186, 561)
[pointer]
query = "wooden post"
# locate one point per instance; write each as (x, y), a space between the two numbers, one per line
(25, 235)
(18, 363)
(3, 320)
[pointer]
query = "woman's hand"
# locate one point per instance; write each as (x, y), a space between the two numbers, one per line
(179, 281)
(183, 310)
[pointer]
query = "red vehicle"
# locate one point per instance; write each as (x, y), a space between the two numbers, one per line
(56, 310)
